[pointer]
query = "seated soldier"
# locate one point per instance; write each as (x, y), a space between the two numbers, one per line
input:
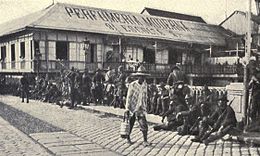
(222, 121)
(177, 104)
(162, 100)
(187, 117)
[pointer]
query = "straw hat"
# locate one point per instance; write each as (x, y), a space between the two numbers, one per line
(141, 71)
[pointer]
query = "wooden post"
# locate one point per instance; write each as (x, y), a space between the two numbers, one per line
(237, 50)
(155, 51)
(210, 51)
(247, 55)
(120, 49)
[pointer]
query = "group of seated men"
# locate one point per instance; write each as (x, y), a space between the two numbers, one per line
(201, 119)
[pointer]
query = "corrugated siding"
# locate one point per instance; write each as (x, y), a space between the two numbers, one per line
(80, 18)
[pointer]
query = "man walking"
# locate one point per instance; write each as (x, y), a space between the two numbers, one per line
(136, 103)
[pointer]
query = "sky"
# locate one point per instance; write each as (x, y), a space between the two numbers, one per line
(212, 11)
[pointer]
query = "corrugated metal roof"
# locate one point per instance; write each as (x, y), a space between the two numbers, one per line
(70, 17)
(169, 14)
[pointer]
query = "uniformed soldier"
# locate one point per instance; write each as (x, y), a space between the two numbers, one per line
(254, 84)
(78, 87)
(24, 83)
(162, 100)
(175, 76)
(72, 76)
(98, 80)
(120, 90)
(177, 104)
(222, 121)
(86, 86)
(189, 117)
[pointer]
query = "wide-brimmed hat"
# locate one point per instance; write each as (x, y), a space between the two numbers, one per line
(176, 67)
(141, 71)
(223, 98)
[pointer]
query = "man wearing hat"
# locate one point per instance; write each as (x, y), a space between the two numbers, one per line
(24, 88)
(254, 84)
(136, 103)
(175, 76)
(177, 104)
(222, 121)
(190, 117)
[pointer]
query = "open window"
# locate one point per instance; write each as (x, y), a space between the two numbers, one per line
(3, 53)
(172, 56)
(13, 52)
(22, 50)
(93, 50)
(62, 50)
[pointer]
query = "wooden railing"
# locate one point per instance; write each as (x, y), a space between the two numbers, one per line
(160, 69)
(216, 91)
(210, 69)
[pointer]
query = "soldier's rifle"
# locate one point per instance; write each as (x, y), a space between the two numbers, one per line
(221, 116)
(199, 118)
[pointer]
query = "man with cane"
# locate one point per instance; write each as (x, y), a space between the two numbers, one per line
(136, 103)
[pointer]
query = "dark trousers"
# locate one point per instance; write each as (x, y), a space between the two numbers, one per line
(142, 124)
(219, 135)
(72, 98)
(25, 94)
(170, 126)
(255, 106)
(86, 95)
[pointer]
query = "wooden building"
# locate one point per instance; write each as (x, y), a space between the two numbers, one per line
(56, 37)
(236, 23)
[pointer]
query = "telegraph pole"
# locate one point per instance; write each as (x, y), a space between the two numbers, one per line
(247, 56)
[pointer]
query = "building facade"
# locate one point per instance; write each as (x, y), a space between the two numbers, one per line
(55, 38)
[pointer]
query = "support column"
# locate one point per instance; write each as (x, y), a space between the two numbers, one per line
(247, 55)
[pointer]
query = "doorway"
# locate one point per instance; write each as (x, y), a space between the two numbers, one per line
(149, 55)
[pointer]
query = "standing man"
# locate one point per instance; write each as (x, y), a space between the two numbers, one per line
(86, 86)
(254, 85)
(72, 77)
(98, 80)
(136, 103)
(24, 88)
(175, 76)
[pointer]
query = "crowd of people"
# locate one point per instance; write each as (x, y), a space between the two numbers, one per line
(175, 103)
(172, 100)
